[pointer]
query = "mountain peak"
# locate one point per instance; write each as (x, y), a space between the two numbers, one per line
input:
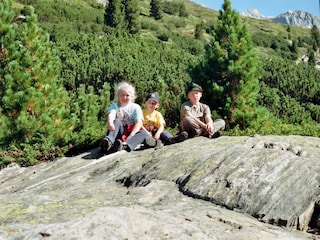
(254, 13)
(297, 18)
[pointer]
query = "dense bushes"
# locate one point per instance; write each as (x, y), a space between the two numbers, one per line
(150, 65)
(63, 19)
(300, 81)
(285, 48)
(291, 92)
(174, 8)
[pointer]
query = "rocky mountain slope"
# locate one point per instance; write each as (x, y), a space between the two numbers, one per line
(259, 187)
(296, 18)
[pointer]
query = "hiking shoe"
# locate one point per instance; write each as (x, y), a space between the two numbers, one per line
(151, 142)
(119, 145)
(182, 136)
(105, 145)
(215, 135)
(179, 138)
(195, 133)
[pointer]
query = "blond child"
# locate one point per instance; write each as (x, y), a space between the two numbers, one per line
(125, 120)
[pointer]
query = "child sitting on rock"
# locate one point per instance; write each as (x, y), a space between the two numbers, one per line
(154, 124)
(124, 121)
(196, 117)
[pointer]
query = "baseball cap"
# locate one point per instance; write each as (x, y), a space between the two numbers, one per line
(154, 97)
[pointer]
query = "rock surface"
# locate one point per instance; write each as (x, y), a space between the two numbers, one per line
(260, 187)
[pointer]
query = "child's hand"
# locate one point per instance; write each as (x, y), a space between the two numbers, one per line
(209, 128)
(150, 134)
(156, 136)
(111, 127)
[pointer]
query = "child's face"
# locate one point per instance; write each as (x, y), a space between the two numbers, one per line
(124, 97)
(194, 96)
(152, 105)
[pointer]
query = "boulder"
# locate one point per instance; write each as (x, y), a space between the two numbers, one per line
(248, 187)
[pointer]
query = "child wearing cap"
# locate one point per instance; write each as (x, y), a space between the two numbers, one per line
(154, 124)
(196, 117)
(124, 121)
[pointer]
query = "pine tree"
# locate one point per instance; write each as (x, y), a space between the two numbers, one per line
(311, 57)
(132, 16)
(155, 9)
(198, 33)
(289, 32)
(183, 10)
(232, 69)
(315, 35)
(34, 105)
(122, 16)
(294, 47)
(114, 14)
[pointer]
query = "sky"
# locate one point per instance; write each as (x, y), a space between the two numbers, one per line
(268, 8)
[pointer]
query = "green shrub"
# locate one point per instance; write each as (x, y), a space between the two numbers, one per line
(174, 8)
(150, 26)
(34, 104)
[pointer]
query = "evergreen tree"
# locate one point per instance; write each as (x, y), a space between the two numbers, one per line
(294, 47)
(198, 33)
(315, 45)
(155, 9)
(114, 14)
(311, 56)
(289, 31)
(232, 69)
(183, 10)
(315, 35)
(34, 105)
(132, 16)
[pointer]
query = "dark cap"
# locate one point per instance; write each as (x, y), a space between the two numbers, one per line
(154, 97)
(194, 87)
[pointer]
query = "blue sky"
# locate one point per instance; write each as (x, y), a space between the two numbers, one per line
(266, 7)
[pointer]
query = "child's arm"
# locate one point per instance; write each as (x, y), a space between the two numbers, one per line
(147, 130)
(111, 118)
(209, 124)
(158, 132)
(136, 128)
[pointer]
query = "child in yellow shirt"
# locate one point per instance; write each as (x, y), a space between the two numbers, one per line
(154, 124)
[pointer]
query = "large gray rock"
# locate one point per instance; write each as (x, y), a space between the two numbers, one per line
(261, 187)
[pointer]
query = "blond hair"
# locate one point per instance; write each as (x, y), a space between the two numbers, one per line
(125, 87)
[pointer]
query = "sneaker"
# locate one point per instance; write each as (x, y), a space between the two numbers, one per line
(119, 145)
(105, 145)
(159, 144)
(151, 142)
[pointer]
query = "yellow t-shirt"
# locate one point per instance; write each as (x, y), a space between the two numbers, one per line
(152, 121)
